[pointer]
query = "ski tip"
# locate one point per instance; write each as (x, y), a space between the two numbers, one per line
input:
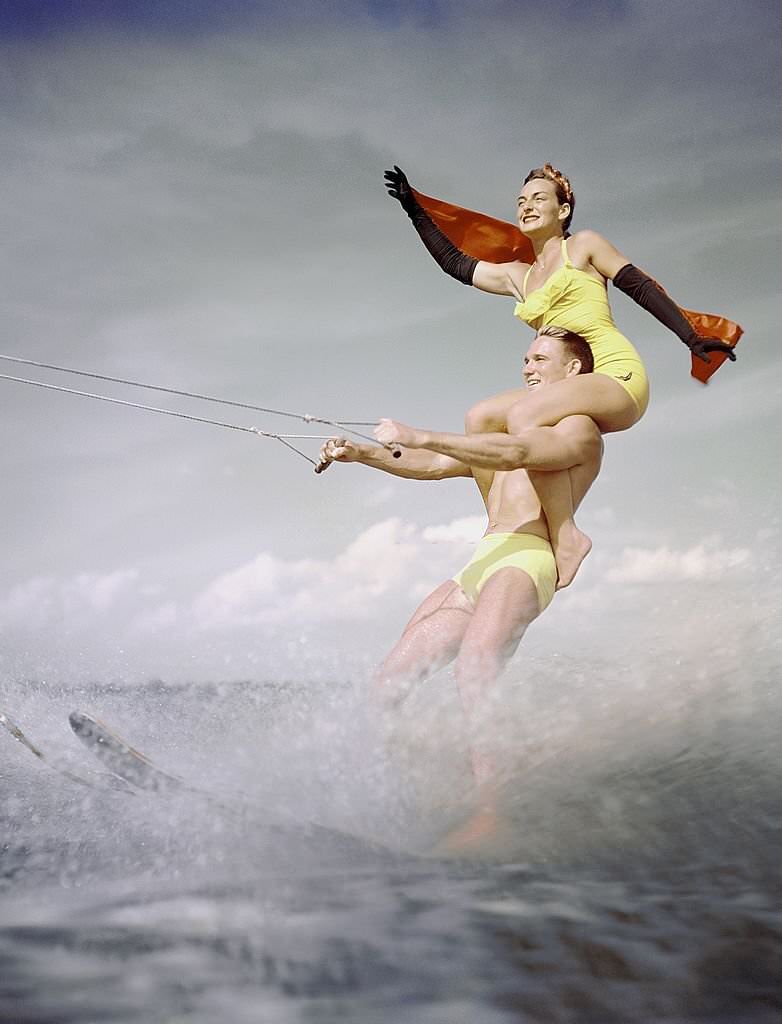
(80, 722)
(112, 748)
(10, 725)
(7, 721)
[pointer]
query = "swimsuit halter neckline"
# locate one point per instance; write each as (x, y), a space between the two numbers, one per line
(565, 263)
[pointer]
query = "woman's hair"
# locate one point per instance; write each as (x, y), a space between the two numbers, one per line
(574, 345)
(563, 187)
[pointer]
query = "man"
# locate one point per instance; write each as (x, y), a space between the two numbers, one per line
(479, 616)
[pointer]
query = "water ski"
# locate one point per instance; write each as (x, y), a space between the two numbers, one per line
(120, 758)
(136, 768)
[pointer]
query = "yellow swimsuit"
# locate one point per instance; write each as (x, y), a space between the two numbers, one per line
(573, 299)
(524, 551)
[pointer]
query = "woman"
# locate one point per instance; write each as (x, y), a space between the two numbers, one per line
(565, 285)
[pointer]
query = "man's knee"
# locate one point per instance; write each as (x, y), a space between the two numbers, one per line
(388, 688)
(481, 661)
(519, 417)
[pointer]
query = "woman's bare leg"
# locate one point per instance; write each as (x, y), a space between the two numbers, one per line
(554, 489)
(571, 545)
(490, 415)
(591, 394)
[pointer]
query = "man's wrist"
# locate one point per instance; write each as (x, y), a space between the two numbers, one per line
(363, 451)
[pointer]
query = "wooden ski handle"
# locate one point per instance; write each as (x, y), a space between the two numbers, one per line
(394, 449)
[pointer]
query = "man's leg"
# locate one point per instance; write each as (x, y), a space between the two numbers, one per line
(506, 605)
(430, 640)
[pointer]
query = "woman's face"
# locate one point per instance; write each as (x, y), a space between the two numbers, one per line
(539, 210)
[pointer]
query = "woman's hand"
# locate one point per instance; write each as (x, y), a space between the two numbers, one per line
(399, 188)
(701, 347)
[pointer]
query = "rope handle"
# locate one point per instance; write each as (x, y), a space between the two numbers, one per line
(395, 450)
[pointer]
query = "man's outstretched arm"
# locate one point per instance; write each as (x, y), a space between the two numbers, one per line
(571, 442)
(412, 465)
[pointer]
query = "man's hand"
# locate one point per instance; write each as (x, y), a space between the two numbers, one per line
(399, 188)
(701, 347)
(389, 432)
(337, 449)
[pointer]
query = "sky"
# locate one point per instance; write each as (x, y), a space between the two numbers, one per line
(191, 195)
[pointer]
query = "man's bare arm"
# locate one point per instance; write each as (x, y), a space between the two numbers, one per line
(412, 465)
(574, 441)
(570, 443)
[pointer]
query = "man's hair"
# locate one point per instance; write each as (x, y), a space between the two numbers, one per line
(562, 185)
(574, 345)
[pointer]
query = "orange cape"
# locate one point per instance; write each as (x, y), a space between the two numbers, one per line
(498, 241)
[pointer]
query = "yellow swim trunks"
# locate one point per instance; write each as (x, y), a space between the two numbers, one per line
(524, 551)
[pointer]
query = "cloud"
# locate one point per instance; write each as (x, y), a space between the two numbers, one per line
(77, 601)
(666, 565)
(156, 619)
(385, 568)
(469, 529)
(386, 562)
(318, 612)
(128, 622)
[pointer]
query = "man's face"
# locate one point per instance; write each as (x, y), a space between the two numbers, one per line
(545, 362)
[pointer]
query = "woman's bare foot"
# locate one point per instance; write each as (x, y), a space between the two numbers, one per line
(572, 548)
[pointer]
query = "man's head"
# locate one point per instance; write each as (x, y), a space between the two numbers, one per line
(555, 354)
